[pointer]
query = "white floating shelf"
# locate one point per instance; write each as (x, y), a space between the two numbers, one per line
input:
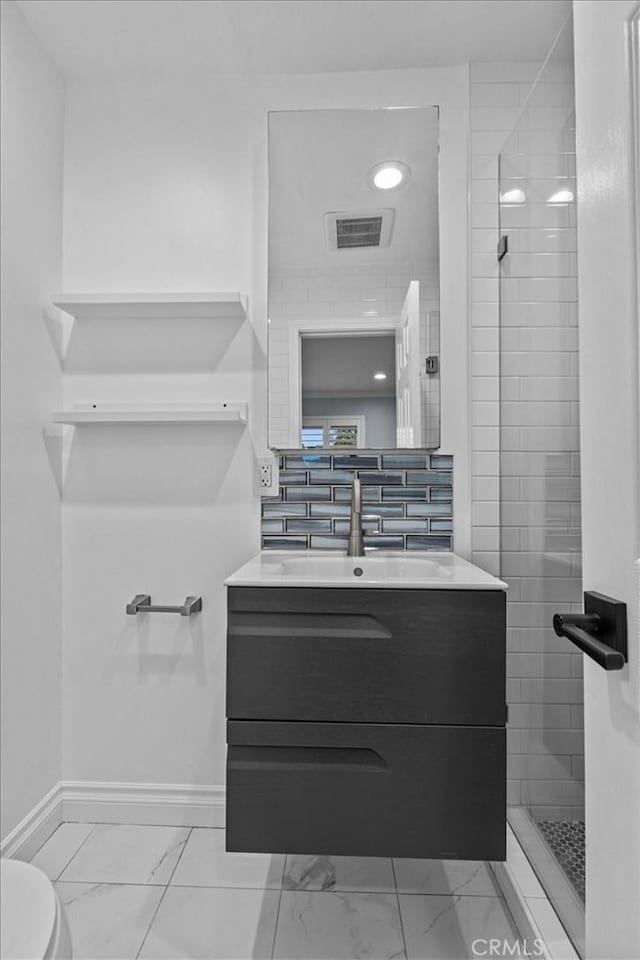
(145, 306)
(150, 413)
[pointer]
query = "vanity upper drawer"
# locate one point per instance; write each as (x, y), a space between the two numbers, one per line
(376, 656)
(366, 790)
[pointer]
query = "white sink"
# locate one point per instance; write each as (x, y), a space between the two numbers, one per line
(371, 568)
(390, 569)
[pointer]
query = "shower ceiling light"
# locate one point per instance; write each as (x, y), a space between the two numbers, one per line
(380, 376)
(513, 196)
(562, 196)
(390, 174)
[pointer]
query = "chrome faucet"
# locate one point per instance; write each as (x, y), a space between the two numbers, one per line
(355, 546)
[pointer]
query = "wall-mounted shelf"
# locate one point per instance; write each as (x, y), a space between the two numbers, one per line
(150, 413)
(144, 306)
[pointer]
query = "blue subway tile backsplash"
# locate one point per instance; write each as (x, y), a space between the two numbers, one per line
(408, 498)
(369, 494)
(428, 543)
(275, 508)
(298, 477)
(354, 461)
(302, 462)
(329, 476)
(405, 493)
(377, 476)
(308, 526)
(442, 526)
(403, 461)
(428, 509)
(441, 493)
(307, 493)
(285, 543)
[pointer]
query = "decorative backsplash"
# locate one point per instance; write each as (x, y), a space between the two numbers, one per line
(407, 501)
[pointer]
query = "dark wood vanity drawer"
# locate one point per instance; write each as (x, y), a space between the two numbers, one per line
(366, 790)
(364, 655)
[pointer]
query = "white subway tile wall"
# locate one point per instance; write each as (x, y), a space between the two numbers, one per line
(494, 87)
(524, 346)
(304, 293)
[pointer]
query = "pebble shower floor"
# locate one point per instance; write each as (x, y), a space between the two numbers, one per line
(566, 840)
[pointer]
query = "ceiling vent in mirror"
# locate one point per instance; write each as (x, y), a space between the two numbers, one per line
(353, 231)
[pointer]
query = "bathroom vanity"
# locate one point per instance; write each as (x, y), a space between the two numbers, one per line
(366, 707)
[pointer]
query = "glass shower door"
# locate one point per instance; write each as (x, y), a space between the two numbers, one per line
(540, 484)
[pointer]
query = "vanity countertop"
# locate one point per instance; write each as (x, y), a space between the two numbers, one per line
(393, 570)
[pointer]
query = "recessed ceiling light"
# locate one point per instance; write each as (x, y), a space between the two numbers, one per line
(387, 178)
(390, 174)
(380, 375)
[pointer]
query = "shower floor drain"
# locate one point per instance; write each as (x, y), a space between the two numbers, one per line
(566, 840)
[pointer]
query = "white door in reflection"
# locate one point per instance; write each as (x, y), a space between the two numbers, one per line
(408, 371)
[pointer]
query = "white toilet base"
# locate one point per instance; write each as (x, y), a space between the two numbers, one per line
(33, 922)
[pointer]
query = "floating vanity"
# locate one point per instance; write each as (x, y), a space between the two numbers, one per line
(366, 706)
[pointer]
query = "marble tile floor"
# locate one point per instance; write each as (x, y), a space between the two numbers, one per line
(173, 892)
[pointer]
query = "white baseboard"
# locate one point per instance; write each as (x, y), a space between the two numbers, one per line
(24, 841)
(167, 804)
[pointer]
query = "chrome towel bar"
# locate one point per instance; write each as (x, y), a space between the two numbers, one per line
(141, 603)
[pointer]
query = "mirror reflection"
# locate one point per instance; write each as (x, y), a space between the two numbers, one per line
(348, 391)
(354, 279)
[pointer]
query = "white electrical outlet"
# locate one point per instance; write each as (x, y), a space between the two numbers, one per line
(268, 474)
(265, 475)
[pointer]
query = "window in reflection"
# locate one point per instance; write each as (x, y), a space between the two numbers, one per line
(319, 432)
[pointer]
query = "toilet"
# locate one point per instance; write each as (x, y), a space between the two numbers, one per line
(32, 921)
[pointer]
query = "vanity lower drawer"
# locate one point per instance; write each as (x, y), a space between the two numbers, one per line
(374, 656)
(366, 790)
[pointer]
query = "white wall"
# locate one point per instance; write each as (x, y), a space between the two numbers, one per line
(32, 153)
(165, 189)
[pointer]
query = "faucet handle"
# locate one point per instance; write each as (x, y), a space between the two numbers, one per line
(372, 516)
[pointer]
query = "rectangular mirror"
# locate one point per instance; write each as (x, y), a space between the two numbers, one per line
(354, 303)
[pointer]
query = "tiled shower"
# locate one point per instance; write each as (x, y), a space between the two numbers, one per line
(540, 549)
